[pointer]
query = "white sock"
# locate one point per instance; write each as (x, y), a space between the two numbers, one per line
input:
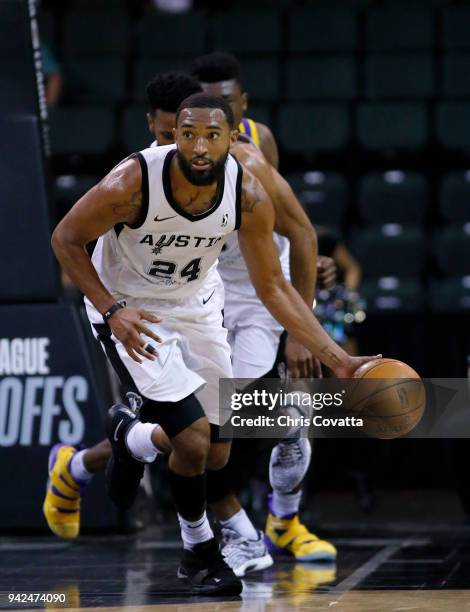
(139, 442)
(195, 532)
(240, 523)
(285, 504)
(77, 467)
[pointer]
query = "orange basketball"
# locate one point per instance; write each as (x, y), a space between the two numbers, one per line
(389, 398)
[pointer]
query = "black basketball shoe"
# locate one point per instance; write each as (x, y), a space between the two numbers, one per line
(123, 472)
(206, 572)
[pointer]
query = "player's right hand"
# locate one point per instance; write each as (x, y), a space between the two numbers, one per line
(126, 325)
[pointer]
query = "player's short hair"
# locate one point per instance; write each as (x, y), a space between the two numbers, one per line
(167, 90)
(217, 66)
(201, 100)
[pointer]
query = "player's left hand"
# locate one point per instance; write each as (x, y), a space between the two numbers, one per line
(326, 272)
(299, 360)
(347, 369)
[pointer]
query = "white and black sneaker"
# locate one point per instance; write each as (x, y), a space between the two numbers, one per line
(244, 555)
(123, 472)
(206, 572)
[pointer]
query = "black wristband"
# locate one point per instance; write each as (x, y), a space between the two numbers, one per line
(111, 311)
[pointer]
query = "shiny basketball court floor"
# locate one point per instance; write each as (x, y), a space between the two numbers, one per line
(383, 564)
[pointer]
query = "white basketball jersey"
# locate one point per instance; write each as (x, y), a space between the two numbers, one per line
(232, 267)
(168, 252)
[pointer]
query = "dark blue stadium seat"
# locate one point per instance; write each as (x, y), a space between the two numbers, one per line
(95, 81)
(254, 31)
(135, 134)
(450, 295)
(392, 126)
(453, 125)
(456, 76)
(394, 196)
(389, 251)
(454, 197)
(261, 79)
(331, 78)
(310, 128)
(396, 29)
(163, 35)
(81, 131)
(109, 36)
(324, 196)
(455, 22)
(323, 28)
(398, 77)
(452, 248)
(393, 294)
(68, 188)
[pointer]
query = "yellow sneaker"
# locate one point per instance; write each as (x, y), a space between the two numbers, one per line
(62, 503)
(289, 536)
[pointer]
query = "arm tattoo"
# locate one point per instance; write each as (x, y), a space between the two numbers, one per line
(129, 209)
(251, 195)
(326, 350)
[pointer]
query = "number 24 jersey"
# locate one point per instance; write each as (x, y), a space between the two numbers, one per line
(168, 253)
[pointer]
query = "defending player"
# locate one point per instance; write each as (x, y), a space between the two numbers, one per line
(255, 339)
(163, 216)
(220, 75)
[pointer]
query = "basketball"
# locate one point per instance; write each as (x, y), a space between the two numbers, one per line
(390, 398)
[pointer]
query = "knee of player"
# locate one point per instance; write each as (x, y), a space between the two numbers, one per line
(195, 444)
(218, 457)
(196, 454)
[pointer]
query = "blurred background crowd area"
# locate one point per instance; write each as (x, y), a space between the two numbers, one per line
(369, 101)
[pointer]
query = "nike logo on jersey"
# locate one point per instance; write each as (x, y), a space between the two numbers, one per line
(164, 218)
(205, 301)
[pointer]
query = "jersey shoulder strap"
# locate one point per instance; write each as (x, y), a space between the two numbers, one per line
(248, 127)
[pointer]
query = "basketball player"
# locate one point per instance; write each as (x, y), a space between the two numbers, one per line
(164, 93)
(247, 551)
(255, 339)
(154, 296)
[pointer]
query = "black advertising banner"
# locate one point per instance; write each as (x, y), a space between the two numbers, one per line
(48, 394)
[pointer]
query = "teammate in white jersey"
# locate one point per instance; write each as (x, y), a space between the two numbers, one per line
(198, 184)
(254, 334)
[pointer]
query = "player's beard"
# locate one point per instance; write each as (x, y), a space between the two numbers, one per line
(207, 177)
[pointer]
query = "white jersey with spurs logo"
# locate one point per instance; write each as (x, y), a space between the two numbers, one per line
(168, 252)
(166, 264)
